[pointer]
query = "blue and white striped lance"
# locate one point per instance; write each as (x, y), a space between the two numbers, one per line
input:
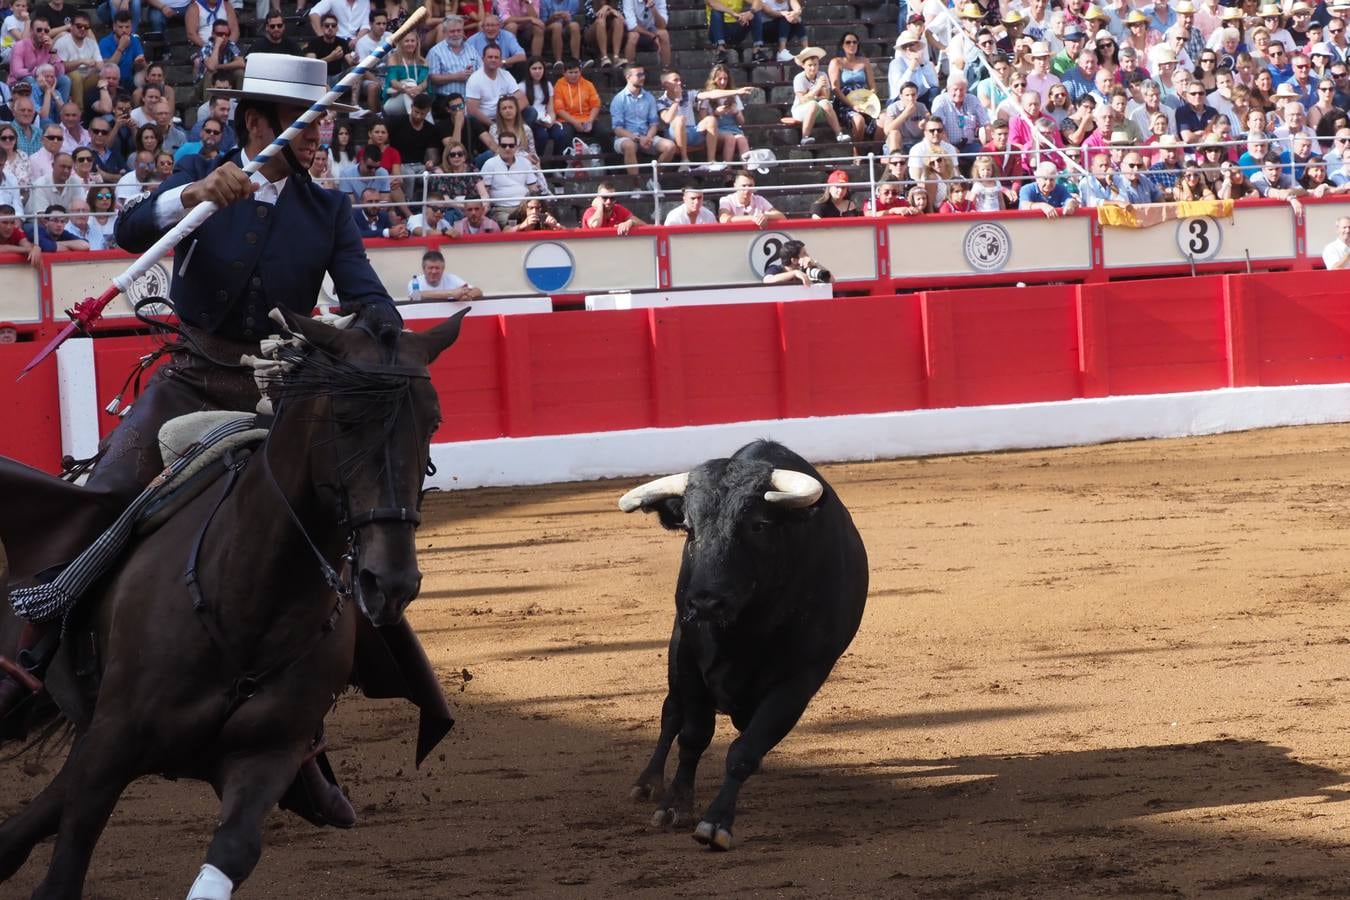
(203, 211)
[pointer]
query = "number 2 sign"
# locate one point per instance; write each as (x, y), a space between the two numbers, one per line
(764, 248)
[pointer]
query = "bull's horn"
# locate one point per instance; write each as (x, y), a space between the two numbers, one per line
(793, 489)
(660, 489)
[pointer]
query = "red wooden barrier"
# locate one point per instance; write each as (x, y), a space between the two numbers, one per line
(852, 356)
(730, 359)
(561, 373)
(1296, 327)
(1010, 346)
(115, 358)
(30, 410)
(1156, 336)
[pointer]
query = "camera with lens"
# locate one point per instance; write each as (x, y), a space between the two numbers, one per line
(793, 255)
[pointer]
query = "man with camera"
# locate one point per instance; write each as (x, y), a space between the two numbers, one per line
(793, 264)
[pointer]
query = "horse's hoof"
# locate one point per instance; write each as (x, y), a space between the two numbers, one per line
(641, 792)
(671, 816)
(714, 837)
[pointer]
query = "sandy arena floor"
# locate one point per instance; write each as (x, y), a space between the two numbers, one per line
(1108, 671)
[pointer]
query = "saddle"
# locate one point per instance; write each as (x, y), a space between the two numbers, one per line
(198, 449)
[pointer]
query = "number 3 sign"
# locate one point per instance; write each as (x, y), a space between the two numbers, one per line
(1199, 239)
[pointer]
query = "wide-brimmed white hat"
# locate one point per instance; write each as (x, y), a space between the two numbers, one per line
(282, 78)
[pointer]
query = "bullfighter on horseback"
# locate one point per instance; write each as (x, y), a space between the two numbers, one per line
(269, 245)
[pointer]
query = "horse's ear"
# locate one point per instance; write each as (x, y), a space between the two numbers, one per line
(434, 341)
(320, 334)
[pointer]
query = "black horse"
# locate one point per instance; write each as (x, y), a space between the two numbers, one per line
(227, 677)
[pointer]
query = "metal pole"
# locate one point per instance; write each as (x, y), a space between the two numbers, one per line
(656, 191)
(872, 178)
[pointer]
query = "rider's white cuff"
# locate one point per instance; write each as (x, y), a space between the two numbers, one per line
(169, 208)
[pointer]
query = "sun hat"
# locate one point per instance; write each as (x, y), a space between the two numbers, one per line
(1287, 90)
(809, 53)
(282, 78)
(1161, 53)
(1040, 48)
(1073, 34)
(1184, 8)
(1094, 12)
(1321, 48)
(1232, 14)
(1270, 11)
(971, 11)
(906, 38)
(1013, 17)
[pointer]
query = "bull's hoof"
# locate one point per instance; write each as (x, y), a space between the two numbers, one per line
(714, 837)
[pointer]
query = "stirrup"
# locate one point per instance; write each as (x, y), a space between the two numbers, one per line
(22, 676)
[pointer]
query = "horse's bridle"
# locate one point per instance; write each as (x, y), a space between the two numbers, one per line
(354, 523)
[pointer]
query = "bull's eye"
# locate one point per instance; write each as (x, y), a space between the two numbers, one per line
(758, 526)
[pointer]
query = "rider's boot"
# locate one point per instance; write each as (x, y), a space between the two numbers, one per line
(17, 682)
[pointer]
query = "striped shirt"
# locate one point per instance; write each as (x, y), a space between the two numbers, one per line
(445, 60)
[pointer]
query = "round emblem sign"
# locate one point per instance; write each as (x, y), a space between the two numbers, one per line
(764, 248)
(154, 283)
(549, 267)
(1199, 239)
(987, 247)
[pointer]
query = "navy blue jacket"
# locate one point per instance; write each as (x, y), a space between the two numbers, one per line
(368, 228)
(251, 256)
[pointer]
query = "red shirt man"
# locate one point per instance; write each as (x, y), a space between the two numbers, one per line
(606, 212)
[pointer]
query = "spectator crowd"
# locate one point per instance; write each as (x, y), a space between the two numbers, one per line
(472, 122)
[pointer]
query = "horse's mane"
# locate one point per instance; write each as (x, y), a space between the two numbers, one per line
(310, 373)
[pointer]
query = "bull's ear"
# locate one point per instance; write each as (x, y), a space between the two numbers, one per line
(436, 340)
(670, 510)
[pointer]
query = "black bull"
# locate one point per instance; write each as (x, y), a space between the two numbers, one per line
(771, 590)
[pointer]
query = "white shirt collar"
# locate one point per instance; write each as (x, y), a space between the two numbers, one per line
(268, 191)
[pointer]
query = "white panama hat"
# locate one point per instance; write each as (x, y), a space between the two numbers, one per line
(282, 78)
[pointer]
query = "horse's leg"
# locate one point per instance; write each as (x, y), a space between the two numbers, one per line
(37, 821)
(107, 763)
(250, 788)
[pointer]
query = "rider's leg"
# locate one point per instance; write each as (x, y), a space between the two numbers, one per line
(130, 460)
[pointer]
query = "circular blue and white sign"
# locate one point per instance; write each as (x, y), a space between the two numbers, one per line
(549, 267)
